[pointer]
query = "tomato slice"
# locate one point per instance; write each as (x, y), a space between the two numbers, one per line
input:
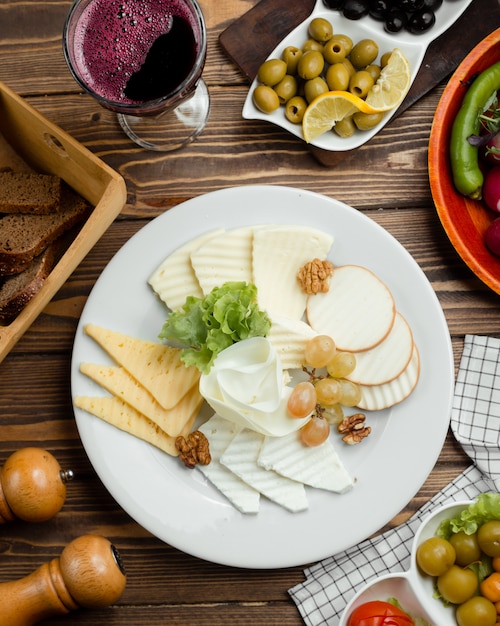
(378, 613)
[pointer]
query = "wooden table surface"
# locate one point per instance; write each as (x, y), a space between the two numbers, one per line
(386, 179)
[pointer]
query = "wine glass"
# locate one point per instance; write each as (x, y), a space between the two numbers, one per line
(142, 59)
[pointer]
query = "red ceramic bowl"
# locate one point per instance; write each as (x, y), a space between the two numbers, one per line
(464, 220)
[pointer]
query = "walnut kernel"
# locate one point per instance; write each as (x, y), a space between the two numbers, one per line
(194, 449)
(313, 276)
(353, 428)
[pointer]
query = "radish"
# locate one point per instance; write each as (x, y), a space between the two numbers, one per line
(491, 188)
(492, 237)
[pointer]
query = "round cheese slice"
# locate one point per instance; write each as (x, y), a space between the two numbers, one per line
(357, 311)
(378, 397)
(388, 359)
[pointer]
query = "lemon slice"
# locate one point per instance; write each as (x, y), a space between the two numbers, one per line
(392, 85)
(328, 109)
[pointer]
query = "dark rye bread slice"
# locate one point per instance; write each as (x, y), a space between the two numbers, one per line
(23, 192)
(17, 291)
(23, 237)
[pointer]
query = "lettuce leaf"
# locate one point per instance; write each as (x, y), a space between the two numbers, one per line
(206, 326)
(486, 508)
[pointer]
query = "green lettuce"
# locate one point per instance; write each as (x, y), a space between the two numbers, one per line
(484, 509)
(206, 326)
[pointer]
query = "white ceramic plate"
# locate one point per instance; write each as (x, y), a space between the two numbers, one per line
(413, 46)
(178, 505)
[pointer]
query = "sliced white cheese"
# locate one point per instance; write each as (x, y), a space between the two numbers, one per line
(289, 337)
(174, 279)
(358, 310)
(378, 397)
(318, 466)
(388, 359)
(278, 254)
(220, 433)
(225, 257)
(241, 458)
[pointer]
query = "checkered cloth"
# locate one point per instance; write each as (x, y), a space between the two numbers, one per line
(475, 422)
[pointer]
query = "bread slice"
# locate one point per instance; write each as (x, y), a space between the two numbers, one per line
(23, 237)
(22, 192)
(17, 291)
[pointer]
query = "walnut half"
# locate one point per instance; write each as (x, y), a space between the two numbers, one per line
(194, 449)
(313, 276)
(353, 428)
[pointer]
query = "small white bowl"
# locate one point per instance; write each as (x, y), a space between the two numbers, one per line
(413, 590)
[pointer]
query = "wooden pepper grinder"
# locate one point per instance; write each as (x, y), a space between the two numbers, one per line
(32, 486)
(88, 574)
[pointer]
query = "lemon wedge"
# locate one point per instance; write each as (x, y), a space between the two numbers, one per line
(329, 108)
(392, 84)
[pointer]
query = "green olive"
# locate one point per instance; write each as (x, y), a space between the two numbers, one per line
(367, 121)
(345, 40)
(295, 109)
(488, 537)
(360, 83)
(349, 67)
(477, 611)
(435, 555)
(374, 71)
(320, 29)
(345, 128)
(291, 56)
(310, 64)
(286, 88)
(457, 585)
(466, 547)
(312, 44)
(271, 72)
(384, 59)
(337, 77)
(265, 99)
(314, 88)
(334, 51)
(364, 53)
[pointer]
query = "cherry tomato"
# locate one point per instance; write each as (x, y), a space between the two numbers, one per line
(378, 613)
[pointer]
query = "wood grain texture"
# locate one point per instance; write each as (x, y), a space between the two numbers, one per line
(386, 179)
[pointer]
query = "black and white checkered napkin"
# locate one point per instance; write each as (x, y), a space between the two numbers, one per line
(475, 422)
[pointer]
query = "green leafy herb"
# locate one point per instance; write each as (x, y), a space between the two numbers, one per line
(486, 508)
(206, 326)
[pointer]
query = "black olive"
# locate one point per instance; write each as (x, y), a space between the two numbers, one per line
(355, 9)
(395, 21)
(421, 21)
(410, 5)
(433, 5)
(378, 9)
(334, 4)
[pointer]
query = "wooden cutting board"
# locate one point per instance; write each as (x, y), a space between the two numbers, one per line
(249, 40)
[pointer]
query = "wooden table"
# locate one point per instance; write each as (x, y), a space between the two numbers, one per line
(386, 179)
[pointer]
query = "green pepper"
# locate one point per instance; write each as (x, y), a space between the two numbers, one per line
(467, 176)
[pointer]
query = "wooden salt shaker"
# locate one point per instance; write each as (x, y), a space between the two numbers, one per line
(88, 574)
(32, 486)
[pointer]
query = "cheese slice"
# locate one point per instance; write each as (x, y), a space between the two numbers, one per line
(225, 257)
(289, 337)
(121, 384)
(357, 312)
(118, 413)
(174, 279)
(388, 359)
(378, 397)
(278, 254)
(156, 366)
(241, 458)
(318, 466)
(220, 433)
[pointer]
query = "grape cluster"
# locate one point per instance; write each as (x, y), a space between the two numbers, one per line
(324, 394)
(415, 16)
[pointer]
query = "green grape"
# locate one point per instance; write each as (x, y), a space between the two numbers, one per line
(341, 365)
(315, 432)
(302, 400)
(351, 393)
(329, 391)
(319, 351)
(333, 414)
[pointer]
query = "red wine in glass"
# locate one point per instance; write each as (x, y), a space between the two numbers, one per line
(142, 59)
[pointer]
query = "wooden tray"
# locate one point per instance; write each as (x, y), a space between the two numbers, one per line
(48, 149)
(249, 40)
